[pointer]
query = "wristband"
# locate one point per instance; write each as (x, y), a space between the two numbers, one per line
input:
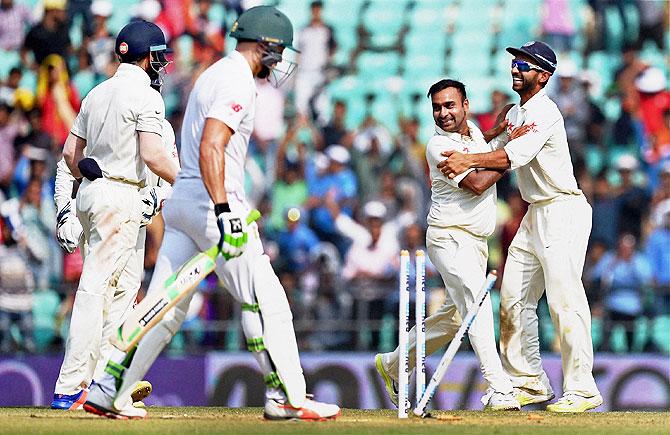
(221, 207)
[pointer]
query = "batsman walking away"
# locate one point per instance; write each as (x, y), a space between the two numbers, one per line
(208, 206)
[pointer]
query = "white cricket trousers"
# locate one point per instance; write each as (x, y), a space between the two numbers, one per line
(109, 212)
(548, 252)
(461, 260)
(190, 228)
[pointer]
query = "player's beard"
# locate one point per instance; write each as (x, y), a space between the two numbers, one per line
(524, 86)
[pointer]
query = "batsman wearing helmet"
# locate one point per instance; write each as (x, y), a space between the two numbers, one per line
(115, 137)
(207, 206)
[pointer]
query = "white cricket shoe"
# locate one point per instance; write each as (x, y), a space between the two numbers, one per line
(574, 403)
(389, 383)
(100, 403)
(528, 397)
(278, 409)
(497, 401)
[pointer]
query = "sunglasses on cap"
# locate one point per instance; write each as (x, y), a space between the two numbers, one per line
(524, 66)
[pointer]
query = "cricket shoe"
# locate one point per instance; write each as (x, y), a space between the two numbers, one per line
(497, 401)
(280, 409)
(141, 391)
(102, 404)
(389, 383)
(528, 396)
(574, 403)
(69, 402)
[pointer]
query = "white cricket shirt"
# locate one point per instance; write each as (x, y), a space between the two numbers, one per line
(452, 206)
(541, 157)
(110, 118)
(225, 91)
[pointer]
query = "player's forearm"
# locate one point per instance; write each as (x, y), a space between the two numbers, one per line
(213, 169)
(478, 181)
(492, 160)
(156, 157)
(73, 152)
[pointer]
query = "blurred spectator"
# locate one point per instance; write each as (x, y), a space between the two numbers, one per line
(14, 18)
(317, 46)
(16, 291)
(605, 212)
(208, 36)
(336, 132)
(654, 101)
(624, 275)
(596, 121)
(658, 254)
(38, 218)
(10, 127)
(57, 98)
(369, 130)
(597, 249)
(624, 80)
(33, 164)
(662, 191)
(368, 166)
(598, 34)
(632, 200)
(487, 120)
(369, 266)
(100, 47)
(409, 156)
(652, 27)
(295, 242)
(558, 25)
(339, 182)
(13, 94)
(573, 104)
(49, 36)
(35, 136)
(82, 9)
(290, 187)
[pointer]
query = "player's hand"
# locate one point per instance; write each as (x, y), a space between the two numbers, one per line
(455, 163)
(151, 206)
(234, 237)
(520, 131)
(68, 227)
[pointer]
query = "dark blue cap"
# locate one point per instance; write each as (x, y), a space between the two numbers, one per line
(543, 55)
(138, 38)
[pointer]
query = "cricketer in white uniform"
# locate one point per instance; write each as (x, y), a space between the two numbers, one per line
(461, 218)
(70, 236)
(549, 248)
(115, 136)
(208, 202)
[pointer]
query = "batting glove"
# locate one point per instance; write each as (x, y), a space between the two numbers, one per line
(151, 206)
(68, 227)
(233, 229)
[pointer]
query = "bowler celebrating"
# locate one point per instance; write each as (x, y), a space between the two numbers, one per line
(549, 248)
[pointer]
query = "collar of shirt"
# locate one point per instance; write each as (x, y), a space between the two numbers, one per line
(238, 57)
(133, 71)
(534, 100)
(474, 133)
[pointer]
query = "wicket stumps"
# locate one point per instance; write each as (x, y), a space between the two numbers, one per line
(403, 329)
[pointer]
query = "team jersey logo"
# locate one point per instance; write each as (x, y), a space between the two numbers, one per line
(236, 107)
(123, 48)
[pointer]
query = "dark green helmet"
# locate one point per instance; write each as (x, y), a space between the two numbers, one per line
(264, 24)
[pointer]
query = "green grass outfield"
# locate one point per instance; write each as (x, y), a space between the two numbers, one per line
(250, 420)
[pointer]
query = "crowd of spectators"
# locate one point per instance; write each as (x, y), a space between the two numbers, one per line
(339, 201)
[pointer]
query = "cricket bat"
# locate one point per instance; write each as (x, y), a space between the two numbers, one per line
(177, 286)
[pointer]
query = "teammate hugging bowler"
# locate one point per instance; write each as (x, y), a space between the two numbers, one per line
(208, 205)
(549, 248)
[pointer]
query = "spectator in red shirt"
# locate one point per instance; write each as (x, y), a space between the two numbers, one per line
(654, 101)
